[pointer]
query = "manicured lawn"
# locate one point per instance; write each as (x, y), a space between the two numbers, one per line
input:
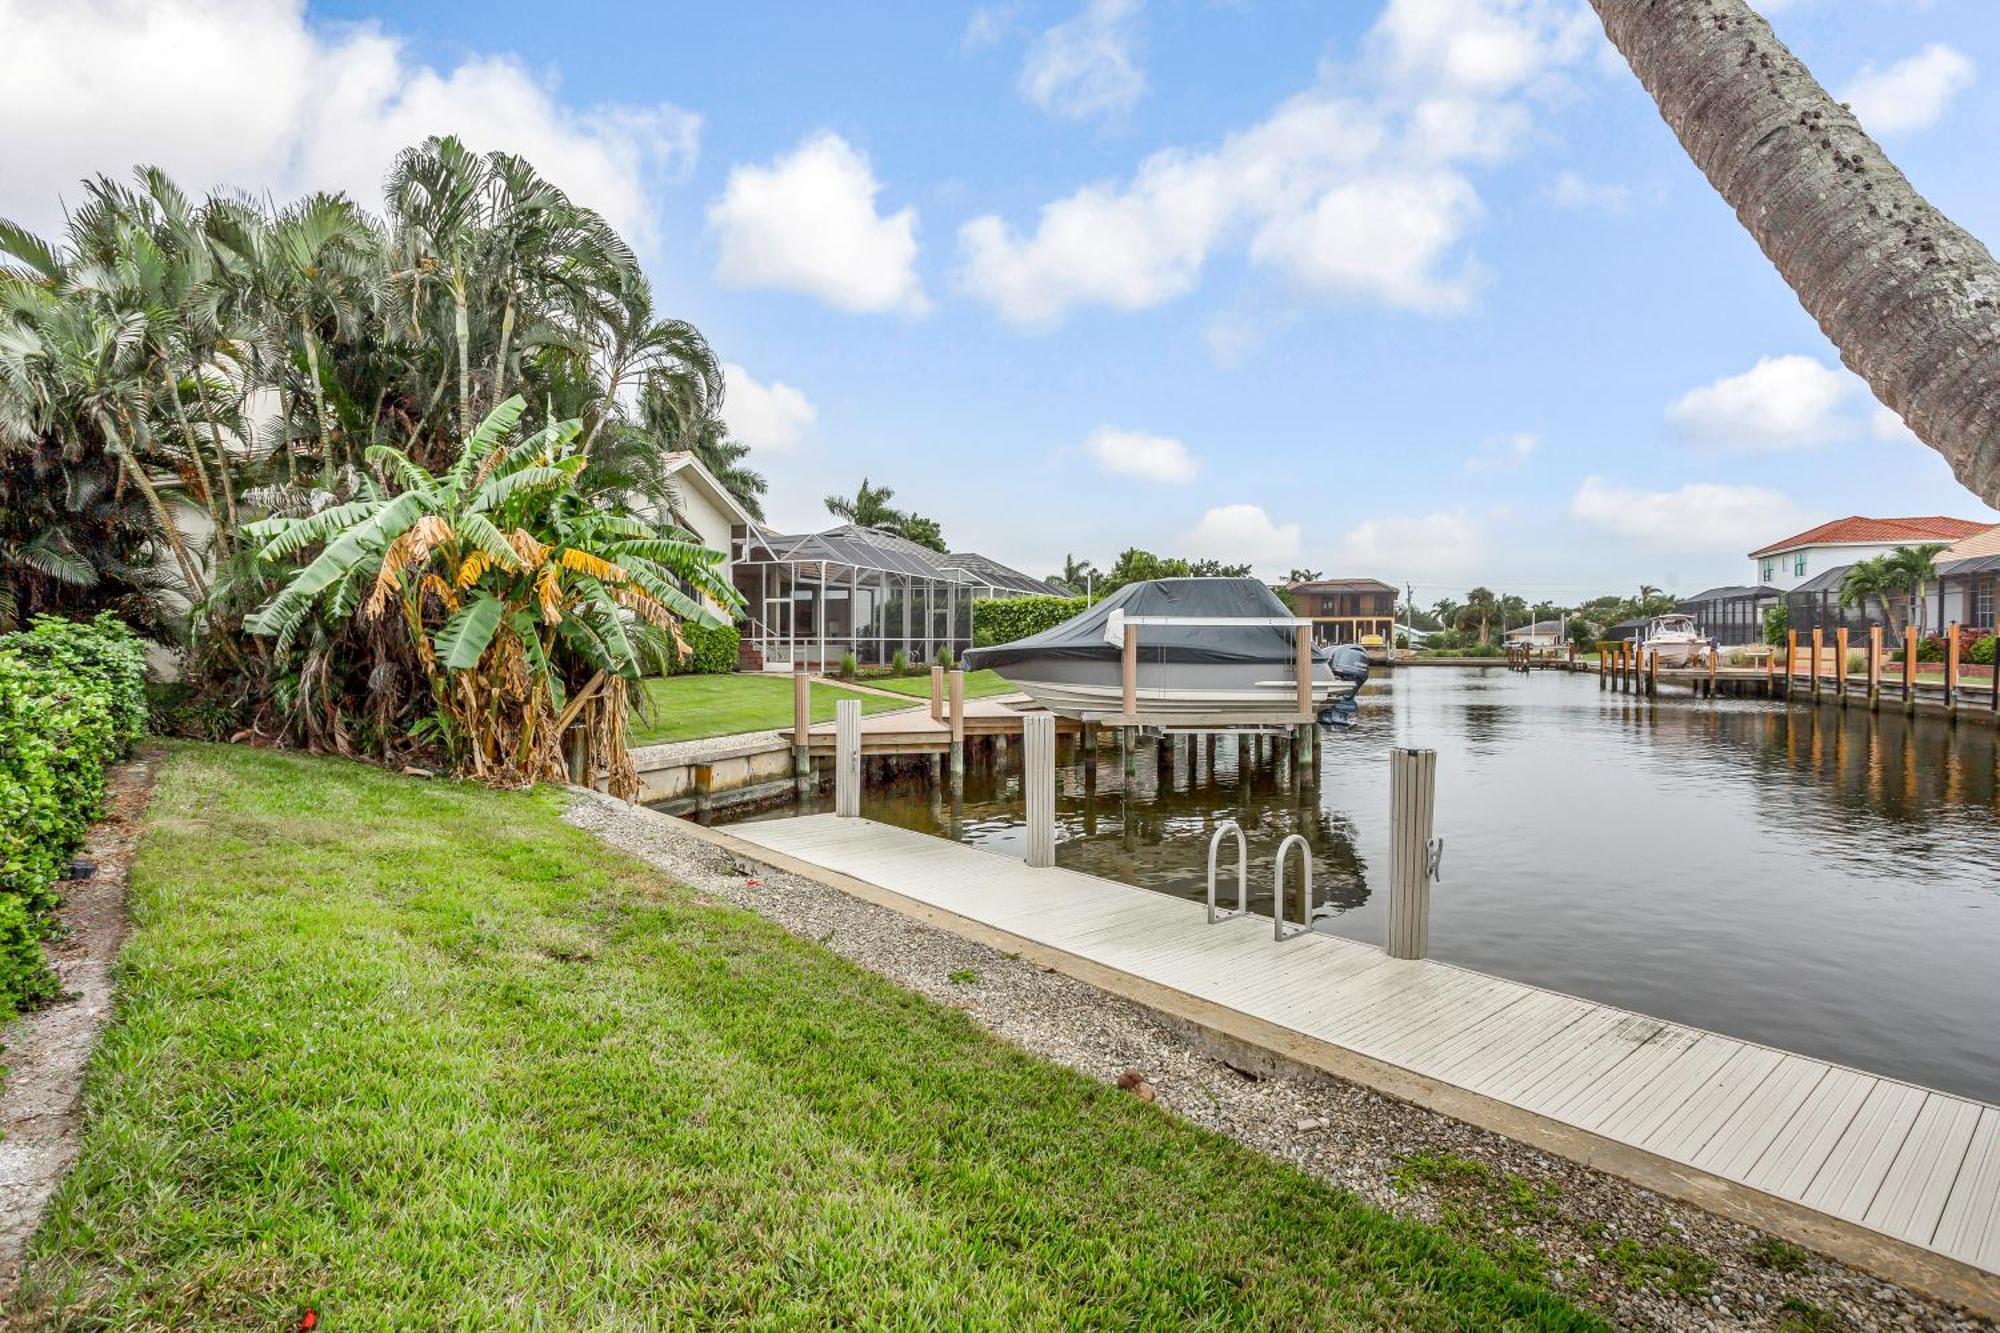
(685, 708)
(978, 685)
(418, 1055)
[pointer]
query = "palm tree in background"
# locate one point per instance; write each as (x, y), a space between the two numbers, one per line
(1872, 580)
(1910, 569)
(723, 456)
(1481, 606)
(1908, 296)
(869, 507)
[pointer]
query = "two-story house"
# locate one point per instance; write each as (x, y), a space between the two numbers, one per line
(1344, 610)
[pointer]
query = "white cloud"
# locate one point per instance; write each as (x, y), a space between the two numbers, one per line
(1782, 402)
(1131, 453)
(1240, 533)
(770, 418)
(1886, 426)
(1345, 195)
(807, 223)
(247, 93)
(1482, 47)
(988, 26)
(1503, 453)
(1431, 548)
(1573, 191)
(1700, 514)
(1910, 94)
(1088, 65)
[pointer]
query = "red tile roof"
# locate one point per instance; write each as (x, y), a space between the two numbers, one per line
(1887, 531)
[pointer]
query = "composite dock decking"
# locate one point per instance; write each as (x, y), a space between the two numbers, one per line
(1915, 1164)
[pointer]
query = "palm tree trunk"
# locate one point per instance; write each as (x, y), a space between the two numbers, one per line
(221, 454)
(464, 334)
(222, 530)
(197, 587)
(500, 357)
(1911, 299)
(319, 397)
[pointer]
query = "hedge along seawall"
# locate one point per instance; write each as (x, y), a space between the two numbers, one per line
(1007, 619)
(72, 701)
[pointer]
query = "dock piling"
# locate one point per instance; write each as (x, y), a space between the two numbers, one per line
(937, 694)
(1910, 669)
(1412, 812)
(801, 729)
(1840, 665)
(847, 758)
(1038, 781)
(956, 693)
(1818, 641)
(1874, 668)
(1951, 671)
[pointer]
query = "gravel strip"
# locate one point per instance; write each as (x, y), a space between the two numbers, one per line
(1641, 1259)
(673, 754)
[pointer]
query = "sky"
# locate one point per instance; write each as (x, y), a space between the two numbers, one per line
(1422, 290)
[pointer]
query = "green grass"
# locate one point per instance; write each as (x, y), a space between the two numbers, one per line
(978, 685)
(685, 708)
(419, 1055)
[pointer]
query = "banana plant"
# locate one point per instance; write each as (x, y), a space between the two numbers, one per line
(526, 596)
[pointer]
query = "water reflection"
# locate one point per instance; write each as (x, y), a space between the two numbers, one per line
(1817, 879)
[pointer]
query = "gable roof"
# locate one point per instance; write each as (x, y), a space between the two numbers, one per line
(1855, 530)
(684, 466)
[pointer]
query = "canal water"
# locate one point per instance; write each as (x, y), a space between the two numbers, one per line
(1825, 882)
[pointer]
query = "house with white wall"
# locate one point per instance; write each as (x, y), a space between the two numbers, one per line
(1787, 563)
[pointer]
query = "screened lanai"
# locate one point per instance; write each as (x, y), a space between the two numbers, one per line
(817, 597)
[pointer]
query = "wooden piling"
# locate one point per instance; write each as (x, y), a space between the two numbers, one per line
(1874, 668)
(937, 693)
(1412, 811)
(1129, 669)
(1951, 671)
(1038, 783)
(1910, 669)
(1302, 668)
(801, 729)
(1840, 664)
(1791, 659)
(1713, 655)
(1653, 674)
(1818, 642)
(955, 693)
(847, 758)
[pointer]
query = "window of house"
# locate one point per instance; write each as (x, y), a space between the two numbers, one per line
(1982, 604)
(1799, 564)
(1769, 572)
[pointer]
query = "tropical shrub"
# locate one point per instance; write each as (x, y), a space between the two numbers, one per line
(72, 700)
(703, 650)
(900, 663)
(1006, 619)
(945, 657)
(850, 666)
(1980, 653)
(1777, 625)
(528, 599)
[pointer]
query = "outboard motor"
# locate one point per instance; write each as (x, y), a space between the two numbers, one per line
(1349, 662)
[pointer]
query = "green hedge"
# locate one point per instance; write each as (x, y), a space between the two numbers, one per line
(72, 700)
(1005, 619)
(711, 652)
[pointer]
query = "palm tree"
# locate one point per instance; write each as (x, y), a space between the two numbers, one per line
(869, 507)
(1872, 579)
(1906, 295)
(1479, 609)
(1910, 569)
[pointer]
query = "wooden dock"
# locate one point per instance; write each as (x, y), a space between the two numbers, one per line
(1837, 1157)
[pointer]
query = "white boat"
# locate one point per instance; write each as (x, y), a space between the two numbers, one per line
(1676, 641)
(1208, 649)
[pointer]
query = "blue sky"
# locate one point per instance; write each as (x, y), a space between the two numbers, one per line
(1421, 289)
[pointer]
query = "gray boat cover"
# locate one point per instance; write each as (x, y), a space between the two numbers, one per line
(1082, 636)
